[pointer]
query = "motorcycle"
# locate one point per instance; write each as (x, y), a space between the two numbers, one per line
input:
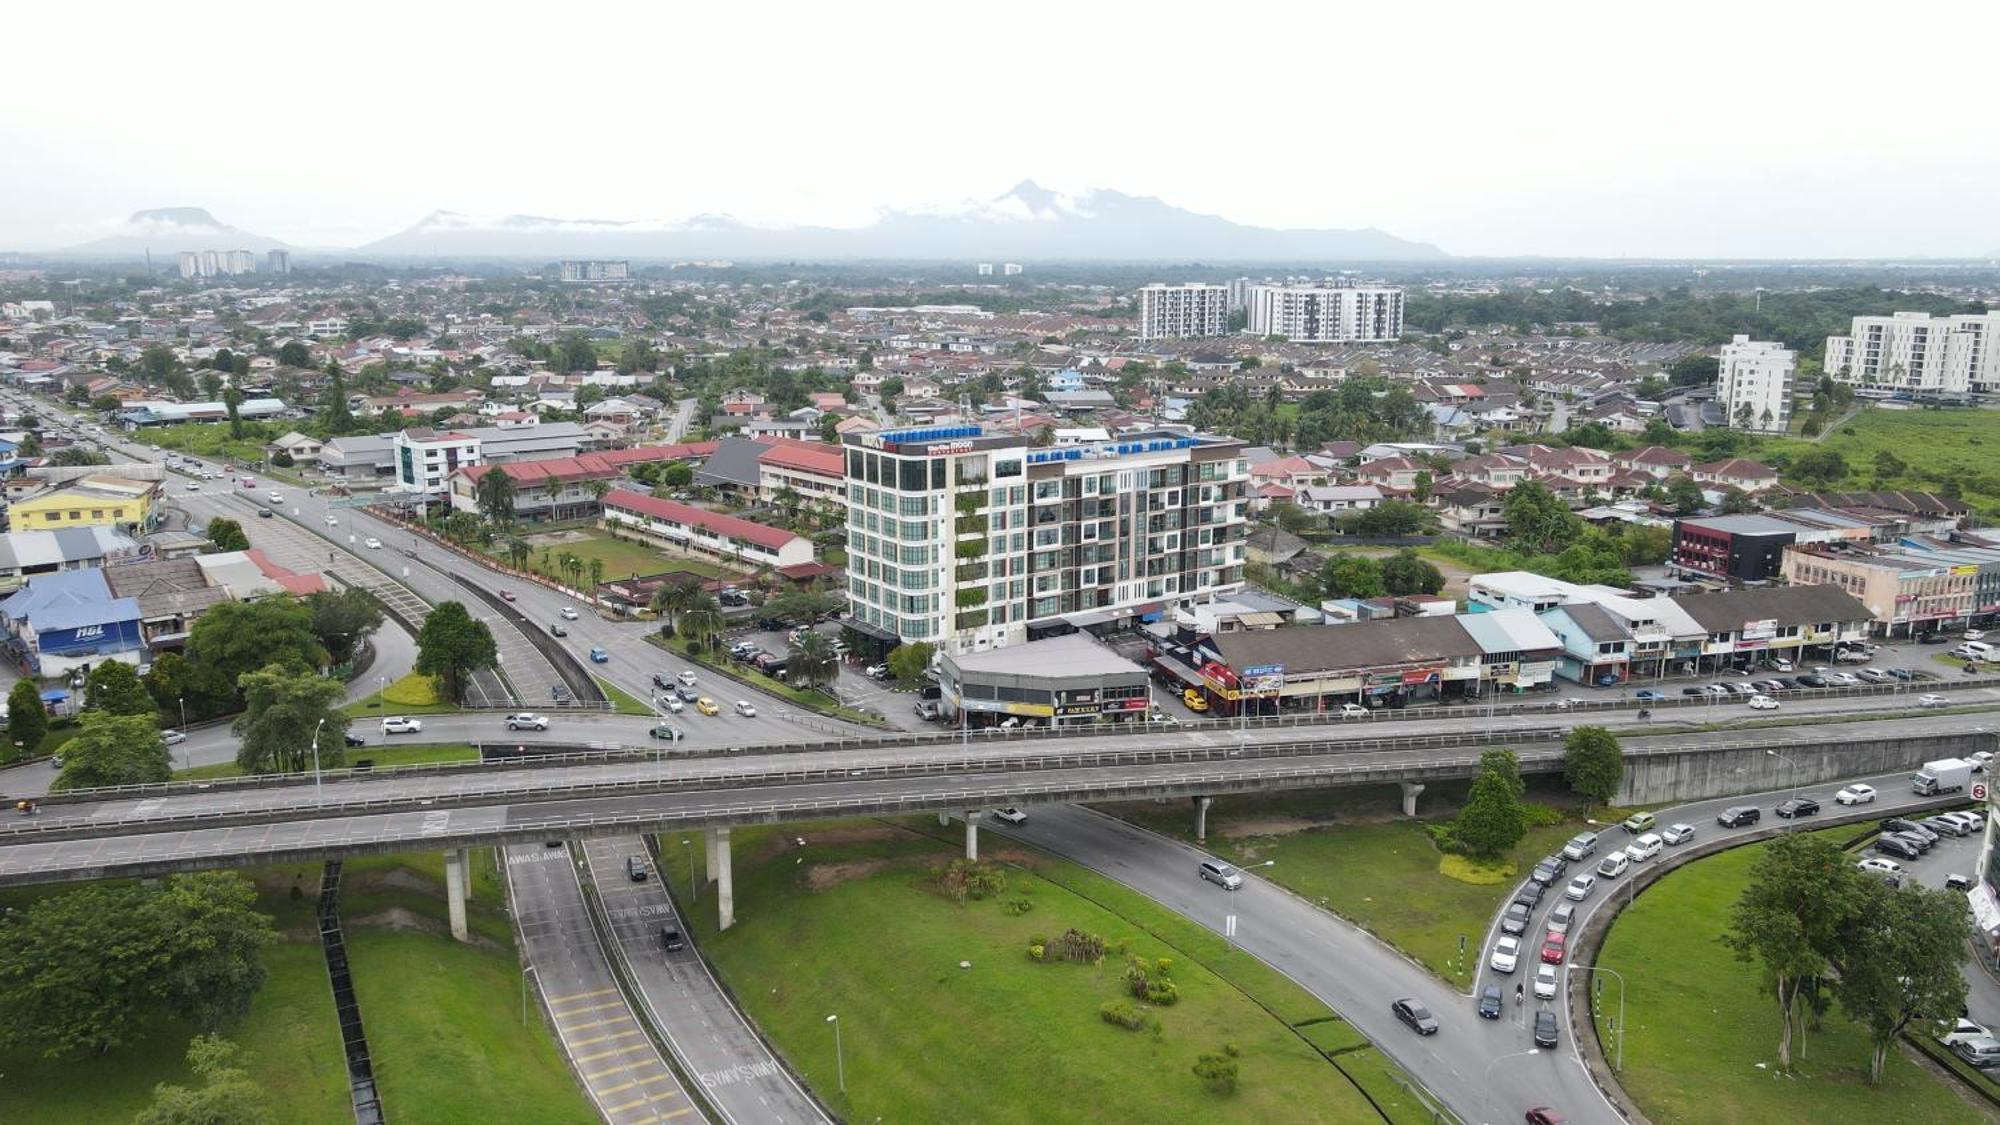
(1644, 714)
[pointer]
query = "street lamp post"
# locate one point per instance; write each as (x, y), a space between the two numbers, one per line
(839, 1061)
(1620, 1062)
(316, 772)
(381, 692)
(186, 754)
(1794, 769)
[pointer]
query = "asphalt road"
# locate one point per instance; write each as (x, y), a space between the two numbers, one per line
(620, 1068)
(709, 1037)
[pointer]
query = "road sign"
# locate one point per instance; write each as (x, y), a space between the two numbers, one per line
(1979, 791)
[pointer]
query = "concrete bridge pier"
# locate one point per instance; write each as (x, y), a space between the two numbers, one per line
(972, 834)
(1201, 819)
(718, 872)
(944, 819)
(455, 868)
(1410, 791)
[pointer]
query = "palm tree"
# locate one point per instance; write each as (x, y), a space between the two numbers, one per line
(596, 573)
(813, 661)
(597, 489)
(701, 622)
(494, 493)
(567, 563)
(518, 552)
(675, 599)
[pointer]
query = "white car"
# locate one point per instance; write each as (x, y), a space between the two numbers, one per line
(331, 522)
(1580, 887)
(744, 709)
(1855, 794)
(1506, 955)
(1545, 982)
(568, 614)
(1932, 700)
(527, 720)
(192, 486)
(1763, 703)
(372, 543)
(1960, 1030)
(277, 497)
(1353, 711)
(1876, 865)
(1975, 634)
(173, 737)
(673, 704)
(397, 724)
(1010, 815)
(1677, 834)
(1781, 665)
(688, 679)
(1845, 679)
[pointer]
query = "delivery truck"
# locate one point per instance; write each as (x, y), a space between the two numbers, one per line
(1946, 775)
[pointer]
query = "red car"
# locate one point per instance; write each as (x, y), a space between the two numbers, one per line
(1553, 948)
(1543, 1115)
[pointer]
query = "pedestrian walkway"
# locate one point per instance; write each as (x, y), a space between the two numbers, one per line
(607, 1045)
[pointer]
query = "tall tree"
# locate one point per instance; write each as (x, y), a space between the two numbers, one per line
(1537, 520)
(452, 646)
(113, 749)
(813, 662)
(341, 621)
(27, 719)
(227, 535)
(114, 688)
(1353, 576)
(1406, 573)
(282, 710)
(1593, 763)
(1901, 959)
(238, 637)
(180, 687)
(494, 494)
(1492, 820)
(232, 400)
(701, 622)
(909, 662)
(1790, 917)
(294, 353)
(333, 403)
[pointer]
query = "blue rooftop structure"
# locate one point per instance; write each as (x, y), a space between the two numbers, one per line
(67, 620)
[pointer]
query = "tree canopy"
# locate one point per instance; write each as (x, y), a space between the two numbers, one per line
(27, 719)
(226, 1096)
(114, 687)
(283, 709)
(1492, 820)
(452, 646)
(342, 620)
(227, 535)
(112, 749)
(238, 637)
(1593, 763)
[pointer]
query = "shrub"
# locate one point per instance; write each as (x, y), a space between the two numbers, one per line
(1018, 906)
(1075, 945)
(1217, 1072)
(963, 879)
(1038, 951)
(1149, 981)
(1124, 1014)
(1541, 816)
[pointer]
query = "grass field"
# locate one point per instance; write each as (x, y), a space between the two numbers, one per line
(382, 756)
(622, 701)
(850, 925)
(1935, 444)
(1704, 1031)
(622, 558)
(1350, 851)
(212, 439)
(414, 694)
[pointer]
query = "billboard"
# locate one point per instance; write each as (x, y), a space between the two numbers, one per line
(1264, 679)
(108, 636)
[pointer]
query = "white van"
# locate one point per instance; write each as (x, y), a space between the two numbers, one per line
(1613, 865)
(1644, 848)
(1974, 650)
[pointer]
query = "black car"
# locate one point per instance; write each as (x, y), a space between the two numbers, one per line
(1898, 846)
(1530, 893)
(635, 868)
(662, 680)
(1798, 806)
(671, 940)
(1545, 873)
(1922, 845)
(1786, 682)
(1416, 1015)
(1692, 691)
(1738, 816)
(1545, 1029)
(1515, 920)
(1489, 1002)
(263, 513)
(1910, 828)
(1934, 639)
(1812, 679)
(356, 740)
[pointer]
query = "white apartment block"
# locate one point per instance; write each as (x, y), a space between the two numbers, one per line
(971, 541)
(1917, 353)
(1755, 390)
(425, 459)
(1174, 312)
(1321, 314)
(577, 269)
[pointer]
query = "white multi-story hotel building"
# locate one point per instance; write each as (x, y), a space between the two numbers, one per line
(1327, 314)
(1917, 353)
(1755, 390)
(972, 541)
(1171, 312)
(425, 459)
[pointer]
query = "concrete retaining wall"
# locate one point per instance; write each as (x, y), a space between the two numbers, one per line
(1659, 779)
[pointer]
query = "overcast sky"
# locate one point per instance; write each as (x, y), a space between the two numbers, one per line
(1679, 130)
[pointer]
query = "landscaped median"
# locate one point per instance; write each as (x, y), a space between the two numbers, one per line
(414, 694)
(1702, 1034)
(1022, 989)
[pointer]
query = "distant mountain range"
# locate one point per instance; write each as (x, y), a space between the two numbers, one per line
(169, 230)
(1028, 222)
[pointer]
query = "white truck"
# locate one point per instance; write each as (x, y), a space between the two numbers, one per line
(1946, 775)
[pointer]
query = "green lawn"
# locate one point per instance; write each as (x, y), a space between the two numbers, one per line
(414, 694)
(290, 1039)
(1704, 1031)
(383, 757)
(622, 701)
(856, 930)
(1350, 851)
(1958, 444)
(212, 439)
(622, 558)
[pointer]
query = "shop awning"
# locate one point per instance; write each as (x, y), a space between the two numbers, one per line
(1262, 620)
(54, 695)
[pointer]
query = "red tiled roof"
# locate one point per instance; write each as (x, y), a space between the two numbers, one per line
(729, 526)
(605, 465)
(807, 457)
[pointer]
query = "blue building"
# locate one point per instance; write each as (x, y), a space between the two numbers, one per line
(69, 621)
